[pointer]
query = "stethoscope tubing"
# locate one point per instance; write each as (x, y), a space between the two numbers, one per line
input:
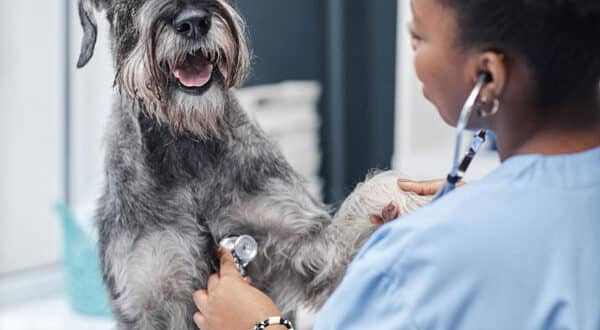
(465, 114)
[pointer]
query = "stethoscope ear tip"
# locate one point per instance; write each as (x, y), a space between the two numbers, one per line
(486, 77)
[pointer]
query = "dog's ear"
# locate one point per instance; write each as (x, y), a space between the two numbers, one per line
(240, 60)
(87, 9)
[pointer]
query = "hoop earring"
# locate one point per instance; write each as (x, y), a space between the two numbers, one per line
(494, 110)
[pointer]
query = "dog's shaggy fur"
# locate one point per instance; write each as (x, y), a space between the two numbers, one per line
(373, 195)
(186, 169)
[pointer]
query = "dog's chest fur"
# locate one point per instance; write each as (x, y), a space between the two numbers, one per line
(165, 198)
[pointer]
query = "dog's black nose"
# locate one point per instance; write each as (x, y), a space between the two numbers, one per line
(192, 23)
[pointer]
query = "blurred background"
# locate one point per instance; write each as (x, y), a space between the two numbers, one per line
(332, 83)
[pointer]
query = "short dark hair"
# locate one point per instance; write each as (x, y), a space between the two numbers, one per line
(559, 40)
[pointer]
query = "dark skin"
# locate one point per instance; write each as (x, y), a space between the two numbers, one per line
(448, 73)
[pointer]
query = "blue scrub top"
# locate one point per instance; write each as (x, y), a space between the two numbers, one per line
(518, 250)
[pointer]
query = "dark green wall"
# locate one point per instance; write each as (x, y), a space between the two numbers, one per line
(287, 38)
(349, 46)
(370, 43)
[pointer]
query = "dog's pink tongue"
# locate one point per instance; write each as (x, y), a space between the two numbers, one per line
(196, 72)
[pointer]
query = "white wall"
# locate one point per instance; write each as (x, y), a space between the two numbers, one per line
(92, 99)
(30, 135)
(32, 128)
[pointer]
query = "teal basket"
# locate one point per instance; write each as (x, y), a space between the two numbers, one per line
(86, 292)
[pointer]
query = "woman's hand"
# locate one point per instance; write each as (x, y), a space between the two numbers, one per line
(423, 188)
(230, 302)
(388, 214)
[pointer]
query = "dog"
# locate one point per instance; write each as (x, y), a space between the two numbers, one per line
(186, 167)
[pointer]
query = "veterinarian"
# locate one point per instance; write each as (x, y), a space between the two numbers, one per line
(521, 248)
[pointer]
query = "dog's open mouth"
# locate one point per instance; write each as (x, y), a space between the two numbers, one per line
(195, 74)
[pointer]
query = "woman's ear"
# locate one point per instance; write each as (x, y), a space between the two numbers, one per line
(494, 64)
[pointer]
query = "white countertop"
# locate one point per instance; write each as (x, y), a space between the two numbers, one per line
(52, 313)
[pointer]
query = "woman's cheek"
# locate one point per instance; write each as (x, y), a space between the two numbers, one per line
(424, 68)
(424, 74)
(446, 115)
(418, 66)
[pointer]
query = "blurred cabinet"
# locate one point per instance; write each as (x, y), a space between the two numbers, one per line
(288, 113)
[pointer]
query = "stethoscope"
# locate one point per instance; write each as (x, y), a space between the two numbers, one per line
(460, 168)
(243, 248)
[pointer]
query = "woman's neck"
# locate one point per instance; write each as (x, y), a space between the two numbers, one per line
(555, 142)
(567, 131)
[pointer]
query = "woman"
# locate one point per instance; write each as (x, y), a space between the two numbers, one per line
(519, 249)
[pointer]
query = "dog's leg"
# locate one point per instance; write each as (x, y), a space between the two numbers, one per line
(303, 253)
(151, 277)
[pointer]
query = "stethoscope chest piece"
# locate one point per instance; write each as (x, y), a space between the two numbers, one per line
(243, 248)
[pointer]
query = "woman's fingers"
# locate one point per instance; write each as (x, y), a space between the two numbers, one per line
(390, 212)
(228, 267)
(376, 220)
(201, 300)
(200, 321)
(213, 280)
(423, 188)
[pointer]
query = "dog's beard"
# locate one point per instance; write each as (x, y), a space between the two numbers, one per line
(150, 74)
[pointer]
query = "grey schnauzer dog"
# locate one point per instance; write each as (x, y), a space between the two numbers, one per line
(186, 167)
